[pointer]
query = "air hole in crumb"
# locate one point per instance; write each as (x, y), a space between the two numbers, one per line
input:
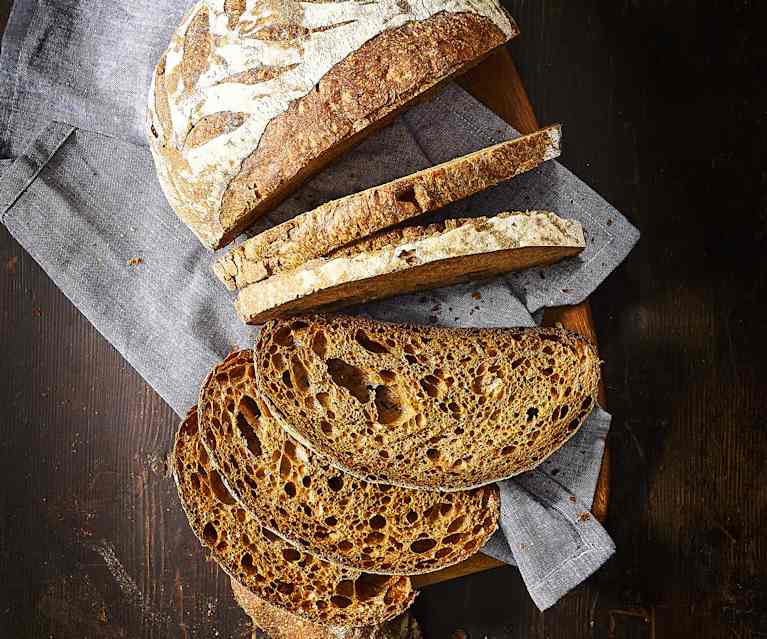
(433, 386)
(335, 483)
(375, 538)
(323, 399)
(433, 454)
(319, 344)
(284, 336)
(377, 522)
(369, 586)
(508, 450)
(247, 564)
(349, 377)
(251, 439)
(340, 602)
(412, 517)
(331, 521)
(420, 546)
(362, 338)
(345, 546)
(563, 410)
(219, 489)
(290, 489)
(285, 588)
(299, 374)
(291, 554)
(326, 427)
(532, 413)
(387, 376)
(388, 404)
(286, 379)
(452, 539)
(210, 534)
(456, 524)
(306, 481)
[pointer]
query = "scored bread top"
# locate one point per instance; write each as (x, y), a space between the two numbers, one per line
(252, 96)
(281, 624)
(268, 566)
(334, 224)
(300, 496)
(424, 406)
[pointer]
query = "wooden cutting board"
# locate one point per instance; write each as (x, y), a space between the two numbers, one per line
(496, 83)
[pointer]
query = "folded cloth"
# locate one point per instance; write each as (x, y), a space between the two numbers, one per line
(82, 198)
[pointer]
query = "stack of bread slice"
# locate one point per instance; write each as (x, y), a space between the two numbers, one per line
(343, 455)
(367, 245)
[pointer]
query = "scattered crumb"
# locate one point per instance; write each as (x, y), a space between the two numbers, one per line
(567, 290)
(477, 295)
(10, 265)
(584, 516)
(609, 222)
(542, 275)
(523, 546)
(555, 472)
(460, 634)
(135, 261)
(37, 311)
(572, 498)
(102, 615)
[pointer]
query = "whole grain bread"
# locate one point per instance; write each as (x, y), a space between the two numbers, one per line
(252, 97)
(300, 496)
(280, 624)
(265, 564)
(424, 406)
(334, 224)
(412, 259)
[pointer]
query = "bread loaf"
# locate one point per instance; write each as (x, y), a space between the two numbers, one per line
(253, 96)
(301, 497)
(268, 566)
(424, 406)
(280, 624)
(334, 224)
(413, 259)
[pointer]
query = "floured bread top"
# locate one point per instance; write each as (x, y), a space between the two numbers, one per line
(235, 65)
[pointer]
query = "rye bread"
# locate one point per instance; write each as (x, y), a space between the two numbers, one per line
(412, 259)
(332, 225)
(304, 499)
(280, 624)
(423, 406)
(251, 97)
(265, 564)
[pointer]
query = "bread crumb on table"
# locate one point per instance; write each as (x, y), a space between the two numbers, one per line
(135, 261)
(10, 265)
(584, 516)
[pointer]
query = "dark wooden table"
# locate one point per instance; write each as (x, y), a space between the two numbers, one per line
(664, 107)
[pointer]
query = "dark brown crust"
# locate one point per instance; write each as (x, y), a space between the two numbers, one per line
(425, 276)
(396, 66)
(319, 232)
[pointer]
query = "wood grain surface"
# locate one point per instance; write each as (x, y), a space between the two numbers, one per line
(664, 114)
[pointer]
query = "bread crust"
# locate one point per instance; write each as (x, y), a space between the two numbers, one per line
(332, 225)
(289, 86)
(450, 408)
(413, 259)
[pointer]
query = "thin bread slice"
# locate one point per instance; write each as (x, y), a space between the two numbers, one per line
(423, 406)
(334, 224)
(303, 498)
(280, 624)
(268, 566)
(413, 259)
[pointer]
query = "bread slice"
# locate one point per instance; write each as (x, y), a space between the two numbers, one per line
(334, 224)
(268, 566)
(280, 624)
(412, 259)
(423, 406)
(300, 496)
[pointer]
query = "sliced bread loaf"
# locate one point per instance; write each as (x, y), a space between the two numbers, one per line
(318, 232)
(424, 406)
(300, 496)
(280, 624)
(411, 259)
(268, 566)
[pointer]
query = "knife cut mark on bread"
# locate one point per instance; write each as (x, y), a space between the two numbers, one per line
(281, 624)
(300, 496)
(334, 224)
(423, 406)
(265, 564)
(412, 259)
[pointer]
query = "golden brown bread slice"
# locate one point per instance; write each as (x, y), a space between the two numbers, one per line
(268, 566)
(280, 624)
(332, 225)
(300, 496)
(411, 259)
(424, 406)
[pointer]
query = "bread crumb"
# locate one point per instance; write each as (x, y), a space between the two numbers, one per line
(477, 295)
(37, 311)
(10, 265)
(584, 516)
(572, 498)
(460, 634)
(135, 261)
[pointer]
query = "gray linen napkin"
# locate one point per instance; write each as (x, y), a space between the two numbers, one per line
(82, 198)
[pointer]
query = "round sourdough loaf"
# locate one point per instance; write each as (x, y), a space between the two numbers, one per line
(253, 96)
